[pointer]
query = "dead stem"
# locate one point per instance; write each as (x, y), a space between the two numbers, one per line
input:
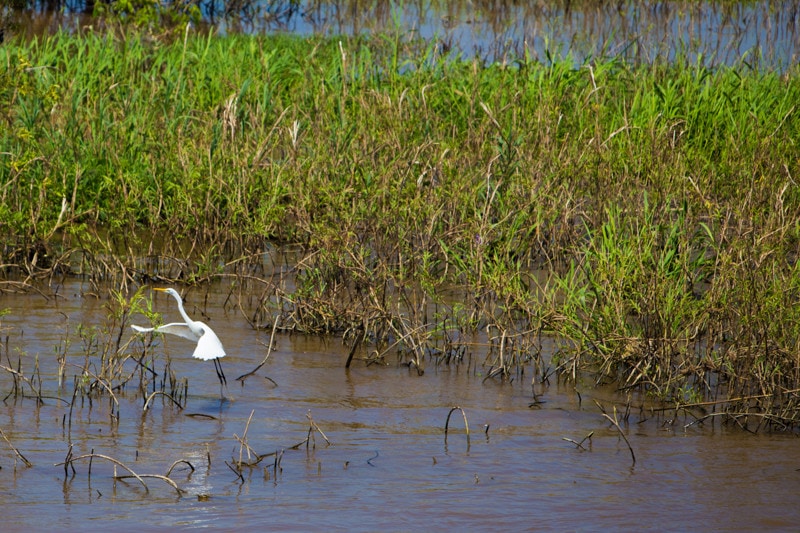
(243, 441)
(736, 418)
(615, 422)
(15, 450)
(369, 461)
(165, 479)
(236, 471)
(176, 463)
(155, 393)
(401, 338)
(16, 389)
(723, 401)
(276, 464)
(102, 382)
(90, 456)
(580, 444)
(359, 340)
(243, 377)
(255, 458)
(71, 407)
(447, 423)
(314, 427)
(201, 415)
(68, 462)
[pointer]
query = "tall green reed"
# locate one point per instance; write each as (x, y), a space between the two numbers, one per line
(633, 210)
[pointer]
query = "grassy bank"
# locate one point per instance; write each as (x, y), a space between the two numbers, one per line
(646, 215)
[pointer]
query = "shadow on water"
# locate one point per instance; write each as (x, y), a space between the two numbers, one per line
(388, 465)
(761, 34)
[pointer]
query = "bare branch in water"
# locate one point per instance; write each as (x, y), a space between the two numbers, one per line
(615, 422)
(580, 444)
(243, 377)
(16, 451)
(176, 463)
(447, 423)
(155, 393)
(71, 460)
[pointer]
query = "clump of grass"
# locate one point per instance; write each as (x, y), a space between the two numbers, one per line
(643, 214)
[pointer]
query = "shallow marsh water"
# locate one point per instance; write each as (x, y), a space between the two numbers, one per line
(759, 33)
(388, 466)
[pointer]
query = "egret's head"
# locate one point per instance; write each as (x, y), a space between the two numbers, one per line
(171, 291)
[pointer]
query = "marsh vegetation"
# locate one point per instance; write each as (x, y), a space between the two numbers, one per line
(642, 213)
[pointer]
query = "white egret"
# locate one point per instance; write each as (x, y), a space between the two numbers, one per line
(208, 344)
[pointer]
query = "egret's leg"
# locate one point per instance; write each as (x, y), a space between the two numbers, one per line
(223, 383)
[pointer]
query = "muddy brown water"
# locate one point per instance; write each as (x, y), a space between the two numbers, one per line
(388, 466)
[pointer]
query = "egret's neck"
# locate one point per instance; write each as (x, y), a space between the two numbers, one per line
(181, 310)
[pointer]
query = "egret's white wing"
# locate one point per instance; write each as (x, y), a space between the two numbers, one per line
(176, 328)
(209, 345)
(180, 329)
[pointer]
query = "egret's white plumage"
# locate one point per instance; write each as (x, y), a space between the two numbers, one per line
(208, 344)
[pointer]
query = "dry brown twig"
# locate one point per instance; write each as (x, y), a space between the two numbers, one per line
(139, 477)
(100, 381)
(243, 377)
(243, 441)
(580, 444)
(176, 463)
(314, 427)
(14, 449)
(615, 422)
(155, 393)
(447, 422)
(71, 460)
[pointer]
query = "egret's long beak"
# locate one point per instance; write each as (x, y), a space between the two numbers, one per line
(159, 289)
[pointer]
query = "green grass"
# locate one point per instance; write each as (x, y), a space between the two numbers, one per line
(646, 215)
